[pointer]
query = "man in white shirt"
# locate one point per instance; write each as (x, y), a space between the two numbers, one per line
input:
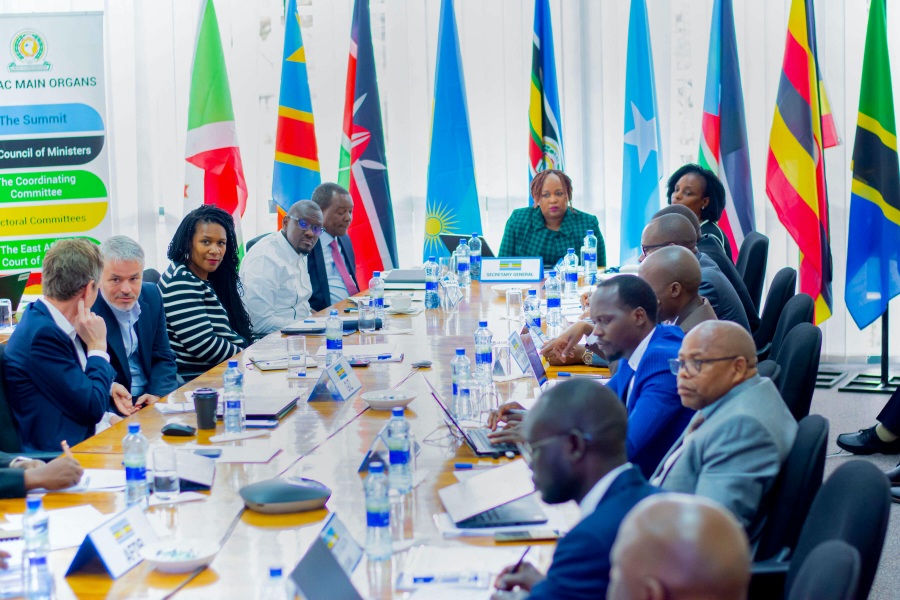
(332, 264)
(575, 446)
(274, 271)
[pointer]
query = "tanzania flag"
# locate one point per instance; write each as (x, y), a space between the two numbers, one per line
(795, 174)
(723, 144)
(212, 144)
(545, 145)
(452, 200)
(296, 156)
(874, 249)
(363, 166)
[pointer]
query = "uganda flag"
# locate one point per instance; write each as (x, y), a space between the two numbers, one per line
(795, 173)
(873, 248)
(545, 145)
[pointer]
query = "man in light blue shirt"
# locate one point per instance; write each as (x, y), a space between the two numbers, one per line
(332, 264)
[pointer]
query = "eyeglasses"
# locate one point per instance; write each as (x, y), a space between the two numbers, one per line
(305, 226)
(646, 249)
(693, 365)
(527, 449)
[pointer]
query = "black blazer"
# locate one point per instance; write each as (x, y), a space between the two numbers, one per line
(157, 358)
(321, 295)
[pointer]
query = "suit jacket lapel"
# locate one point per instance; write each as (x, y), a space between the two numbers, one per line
(321, 273)
(145, 337)
(113, 334)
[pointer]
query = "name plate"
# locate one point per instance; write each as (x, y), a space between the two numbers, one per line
(117, 543)
(337, 382)
(515, 269)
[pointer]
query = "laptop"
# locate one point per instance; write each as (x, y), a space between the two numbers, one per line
(452, 241)
(501, 497)
(13, 286)
(537, 366)
(476, 437)
(273, 405)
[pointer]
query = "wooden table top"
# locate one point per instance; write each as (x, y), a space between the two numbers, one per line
(325, 441)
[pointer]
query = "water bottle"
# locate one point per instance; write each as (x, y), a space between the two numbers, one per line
(463, 257)
(484, 359)
(36, 528)
(570, 269)
(475, 257)
(135, 448)
(398, 443)
(334, 332)
(460, 369)
(432, 274)
(276, 587)
(233, 381)
(552, 289)
(532, 306)
(589, 257)
(378, 514)
(38, 580)
(376, 290)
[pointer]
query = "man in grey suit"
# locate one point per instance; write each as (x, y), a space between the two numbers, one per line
(733, 448)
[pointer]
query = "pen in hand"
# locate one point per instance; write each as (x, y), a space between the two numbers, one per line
(521, 560)
(66, 450)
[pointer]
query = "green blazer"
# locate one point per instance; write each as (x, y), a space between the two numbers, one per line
(526, 234)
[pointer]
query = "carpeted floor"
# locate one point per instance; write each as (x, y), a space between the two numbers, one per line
(850, 412)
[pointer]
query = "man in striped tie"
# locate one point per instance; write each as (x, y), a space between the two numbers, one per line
(332, 264)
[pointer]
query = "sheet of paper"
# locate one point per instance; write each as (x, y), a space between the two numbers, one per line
(68, 526)
(363, 351)
(94, 480)
(174, 408)
(555, 520)
(476, 566)
(234, 437)
(394, 331)
(449, 592)
(11, 579)
(180, 498)
(413, 310)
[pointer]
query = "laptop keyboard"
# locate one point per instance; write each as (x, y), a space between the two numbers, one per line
(483, 443)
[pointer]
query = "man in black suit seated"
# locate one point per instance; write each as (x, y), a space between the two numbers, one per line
(19, 475)
(135, 325)
(332, 264)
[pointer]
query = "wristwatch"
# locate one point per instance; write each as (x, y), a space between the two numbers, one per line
(588, 357)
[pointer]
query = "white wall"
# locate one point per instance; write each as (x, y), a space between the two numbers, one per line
(150, 45)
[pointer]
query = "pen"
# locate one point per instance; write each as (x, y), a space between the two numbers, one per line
(585, 375)
(521, 558)
(383, 357)
(66, 449)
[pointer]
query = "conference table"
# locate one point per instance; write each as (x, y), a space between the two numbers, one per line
(324, 441)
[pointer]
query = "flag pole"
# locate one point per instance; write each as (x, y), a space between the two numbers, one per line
(881, 383)
(885, 330)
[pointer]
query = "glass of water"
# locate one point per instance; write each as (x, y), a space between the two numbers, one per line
(500, 352)
(6, 313)
(296, 356)
(165, 474)
(514, 304)
(367, 316)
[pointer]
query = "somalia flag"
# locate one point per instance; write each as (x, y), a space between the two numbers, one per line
(452, 199)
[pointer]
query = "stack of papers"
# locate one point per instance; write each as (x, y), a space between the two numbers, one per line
(459, 567)
(68, 526)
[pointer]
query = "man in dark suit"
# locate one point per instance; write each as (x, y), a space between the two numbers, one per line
(58, 376)
(19, 475)
(575, 445)
(674, 275)
(135, 325)
(332, 264)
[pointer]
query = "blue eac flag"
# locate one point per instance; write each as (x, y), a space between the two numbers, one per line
(452, 199)
(641, 163)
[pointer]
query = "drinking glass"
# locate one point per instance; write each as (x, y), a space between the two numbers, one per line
(6, 313)
(514, 304)
(165, 473)
(464, 409)
(367, 316)
(296, 356)
(500, 351)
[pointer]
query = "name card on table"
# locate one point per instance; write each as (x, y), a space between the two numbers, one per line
(337, 382)
(117, 543)
(522, 269)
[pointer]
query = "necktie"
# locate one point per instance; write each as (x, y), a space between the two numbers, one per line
(342, 268)
(695, 423)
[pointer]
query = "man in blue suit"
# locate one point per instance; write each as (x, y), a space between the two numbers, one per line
(58, 376)
(575, 445)
(135, 325)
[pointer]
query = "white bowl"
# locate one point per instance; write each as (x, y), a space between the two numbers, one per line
(169, 556)
(501, 290)
(388, 399)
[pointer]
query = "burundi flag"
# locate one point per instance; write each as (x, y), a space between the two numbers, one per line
(545, 145)
(723, 144)
(363, 164)
(795, 174)
(452, 199)
(296, 156)
(641, 161)
(873, 254)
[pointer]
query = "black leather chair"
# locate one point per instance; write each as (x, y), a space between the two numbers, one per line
(791, 496)
(151, 275)
(252, 242)
(715, 252)
(830, 572)
(781, 290)
(751, 264)
(799, 309)
(798, 359)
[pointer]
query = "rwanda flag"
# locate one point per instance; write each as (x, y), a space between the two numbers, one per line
(873, 251)
(452, 200)
(545, 145)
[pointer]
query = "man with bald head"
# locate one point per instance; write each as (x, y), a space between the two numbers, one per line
(676, 230)
(276, 281)
(733, 448)
(674, 274)
(575, 446)
(679, 547)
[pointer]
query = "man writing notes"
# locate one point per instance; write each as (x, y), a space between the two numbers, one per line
(276, 281)
(332, 266)
(135, 325)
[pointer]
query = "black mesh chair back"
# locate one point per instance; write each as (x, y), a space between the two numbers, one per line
(751, 264)
(798, 358)
(252, 242)
(151, 276)
(10, 441)
(830, 572)
(799, 309)
(781, 290)
(796, 486)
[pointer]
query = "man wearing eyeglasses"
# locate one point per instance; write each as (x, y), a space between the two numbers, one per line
(332, 265)
(733, 448)
(276, 281)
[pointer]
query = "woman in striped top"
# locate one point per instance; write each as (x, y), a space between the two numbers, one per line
(201, 291)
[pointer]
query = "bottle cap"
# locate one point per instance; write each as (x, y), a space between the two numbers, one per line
(532, 292)
(590, 232)
(482, 323)
(134, 428)
(475, 234)
(37, 561)
(33, 502)
(460, 351)
(431, 258)
(274, 571)
(376, 467)
(553, 273)
(376, 273)
(397, 411)
(571, 250)
(232, 363)
(333, 312)
(463, 241)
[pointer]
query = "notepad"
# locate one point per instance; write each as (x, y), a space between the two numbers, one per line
(68, 526)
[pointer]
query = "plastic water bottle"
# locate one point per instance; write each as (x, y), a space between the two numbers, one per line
(570, 268)
(376, 290)
(552, 289)
(36, 528)
(460, 369)
(475, 257)
(484, 359)
(276, 587)
(398, 443)
(38, 580)
(334, 332)
(432, 275)
(589, 257)
(532, 306)
(378, 514)
(233, 381)
(135, 448)
(463, 258)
